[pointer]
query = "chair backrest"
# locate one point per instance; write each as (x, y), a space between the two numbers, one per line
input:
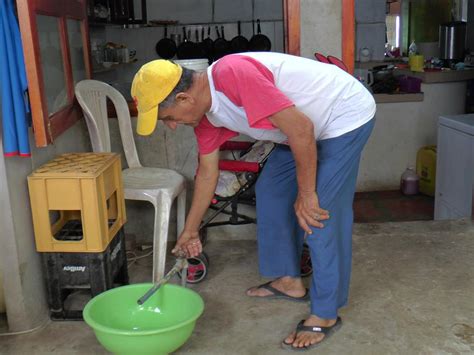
(336, 61)
(92, 96)
(330, 59)
(321, 58)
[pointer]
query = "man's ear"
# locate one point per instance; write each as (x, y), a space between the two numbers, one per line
(184, 97)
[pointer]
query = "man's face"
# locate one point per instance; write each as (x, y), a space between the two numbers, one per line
(185, 110)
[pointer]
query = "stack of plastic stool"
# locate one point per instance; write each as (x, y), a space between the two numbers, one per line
(78, 213)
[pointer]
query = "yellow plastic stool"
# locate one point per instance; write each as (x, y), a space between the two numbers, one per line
(82, 189)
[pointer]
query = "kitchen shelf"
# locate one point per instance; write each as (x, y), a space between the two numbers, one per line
(395, 98)
(113, 67)
(179, 24)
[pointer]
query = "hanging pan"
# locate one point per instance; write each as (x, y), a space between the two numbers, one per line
(200, 50)
(208, 45)
(239, 43)
(186, 48)
(260, 42)
(221, 45)
(166, 48)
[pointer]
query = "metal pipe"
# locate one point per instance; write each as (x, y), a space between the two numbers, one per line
(181, 264)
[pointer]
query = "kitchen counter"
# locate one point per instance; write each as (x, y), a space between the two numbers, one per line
(428, 77)
(393, 98)
(444, 76)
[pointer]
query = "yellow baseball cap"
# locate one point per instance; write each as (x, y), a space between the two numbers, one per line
(151, 86)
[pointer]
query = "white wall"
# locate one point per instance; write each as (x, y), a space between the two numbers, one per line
(401, 130)
(370, 27)
(321, 27)
(23, 278)
(202, 11)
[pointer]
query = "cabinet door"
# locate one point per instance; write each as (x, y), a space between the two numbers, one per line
(454, 174)
(443, 210)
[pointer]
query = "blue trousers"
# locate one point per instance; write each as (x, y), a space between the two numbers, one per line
(280, 238)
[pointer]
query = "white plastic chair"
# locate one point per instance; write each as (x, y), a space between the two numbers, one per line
(155, 185)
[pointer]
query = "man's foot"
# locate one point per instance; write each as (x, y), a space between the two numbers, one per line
(289, 286)
(312, 331)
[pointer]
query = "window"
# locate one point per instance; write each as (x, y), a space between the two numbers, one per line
(56, 45)
(393, 30)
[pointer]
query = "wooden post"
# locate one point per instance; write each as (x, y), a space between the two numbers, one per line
(348, 34)
(292, 14)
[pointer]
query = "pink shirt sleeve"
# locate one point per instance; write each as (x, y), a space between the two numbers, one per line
(209, 138)
(251, 85)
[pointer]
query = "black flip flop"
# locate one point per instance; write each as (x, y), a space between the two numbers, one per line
(327, 331)
(278, 295)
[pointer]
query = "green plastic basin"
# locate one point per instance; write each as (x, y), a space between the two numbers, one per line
(159, 326)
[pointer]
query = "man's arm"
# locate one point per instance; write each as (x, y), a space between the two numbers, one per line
(204, 189)
(300, 132)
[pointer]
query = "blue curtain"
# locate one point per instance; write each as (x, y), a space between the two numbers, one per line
(15, 111)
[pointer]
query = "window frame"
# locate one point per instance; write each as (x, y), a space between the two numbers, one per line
(47, 127)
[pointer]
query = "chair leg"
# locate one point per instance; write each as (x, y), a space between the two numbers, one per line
(160, 237)
(181, 212)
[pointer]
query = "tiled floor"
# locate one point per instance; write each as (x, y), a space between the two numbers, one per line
(392, 206)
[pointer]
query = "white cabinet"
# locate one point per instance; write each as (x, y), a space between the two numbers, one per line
(455, 167)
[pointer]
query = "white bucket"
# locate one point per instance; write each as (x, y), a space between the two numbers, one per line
(198, 65)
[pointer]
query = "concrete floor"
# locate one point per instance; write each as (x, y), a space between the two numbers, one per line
(412, 293)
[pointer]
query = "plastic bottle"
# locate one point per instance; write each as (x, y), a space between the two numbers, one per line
(412, 49)
(409, 182)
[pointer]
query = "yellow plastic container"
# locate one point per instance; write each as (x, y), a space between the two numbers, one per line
(426, 169)
(77, 202)
(416, 63)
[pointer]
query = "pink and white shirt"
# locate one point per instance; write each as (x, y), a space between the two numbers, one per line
(248, 88)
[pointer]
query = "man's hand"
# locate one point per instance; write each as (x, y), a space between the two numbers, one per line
(188, 245)
(308, 211)
(300, 132)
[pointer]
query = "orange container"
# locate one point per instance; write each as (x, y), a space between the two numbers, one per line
(77, 202)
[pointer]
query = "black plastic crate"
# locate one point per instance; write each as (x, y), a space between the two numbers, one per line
(96, 272)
